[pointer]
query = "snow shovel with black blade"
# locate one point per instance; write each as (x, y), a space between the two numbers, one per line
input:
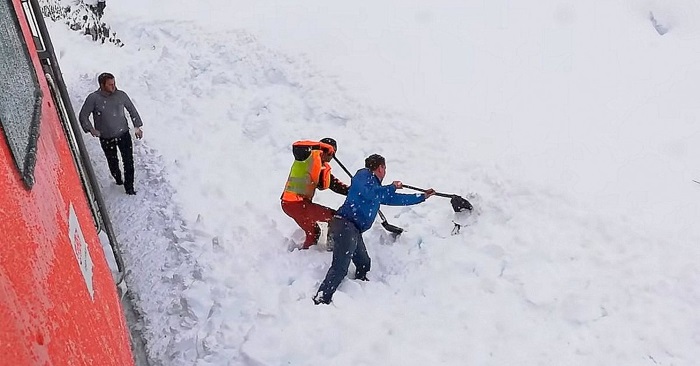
(393, 229)
(459, 204)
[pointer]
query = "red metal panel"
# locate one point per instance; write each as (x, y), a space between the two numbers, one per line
(48, 313)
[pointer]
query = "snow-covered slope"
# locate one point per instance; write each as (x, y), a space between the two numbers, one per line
(572, 123)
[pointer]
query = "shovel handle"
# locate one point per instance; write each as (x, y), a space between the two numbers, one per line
(425, 190)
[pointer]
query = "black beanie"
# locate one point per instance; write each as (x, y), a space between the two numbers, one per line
(330, 141)
(374, 161)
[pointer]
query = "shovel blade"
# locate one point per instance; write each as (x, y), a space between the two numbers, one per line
(394, 230)
(460, 204)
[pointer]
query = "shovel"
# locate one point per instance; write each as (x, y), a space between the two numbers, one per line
(393, 229)
(459, 204)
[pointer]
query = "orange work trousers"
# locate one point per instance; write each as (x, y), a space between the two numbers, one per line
(306, 214)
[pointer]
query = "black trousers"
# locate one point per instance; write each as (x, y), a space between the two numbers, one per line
(348, 246)
(126, 148)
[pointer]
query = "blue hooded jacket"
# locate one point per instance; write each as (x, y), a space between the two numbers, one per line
(366, 194)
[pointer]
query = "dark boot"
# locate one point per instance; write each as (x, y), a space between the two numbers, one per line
(361, 276)
(318, 300)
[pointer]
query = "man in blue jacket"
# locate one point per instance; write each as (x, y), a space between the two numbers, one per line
(356, 216)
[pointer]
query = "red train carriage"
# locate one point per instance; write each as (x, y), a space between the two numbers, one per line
(58, 301)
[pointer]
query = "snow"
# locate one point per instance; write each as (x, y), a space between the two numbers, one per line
(573, 125)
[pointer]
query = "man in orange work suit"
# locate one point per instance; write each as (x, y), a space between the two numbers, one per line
(311, 171)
